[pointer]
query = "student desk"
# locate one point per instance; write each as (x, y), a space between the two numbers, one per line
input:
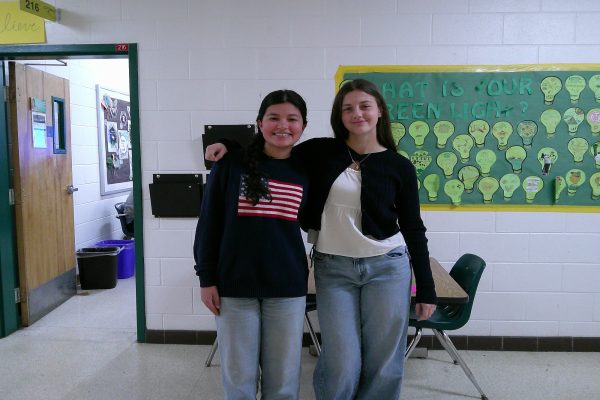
(447, 291)
(446, 288)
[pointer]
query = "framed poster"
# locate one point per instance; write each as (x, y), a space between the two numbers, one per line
(114, 141)
(496, 137)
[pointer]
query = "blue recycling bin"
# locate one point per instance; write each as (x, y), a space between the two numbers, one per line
(126, 258)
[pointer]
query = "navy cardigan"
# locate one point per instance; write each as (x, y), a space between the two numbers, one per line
(389, 199)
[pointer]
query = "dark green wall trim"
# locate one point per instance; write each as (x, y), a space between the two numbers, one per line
(517, 343)
(8, 273)
(137, 190)
(9, 311)
(494, 343)
(79, 51)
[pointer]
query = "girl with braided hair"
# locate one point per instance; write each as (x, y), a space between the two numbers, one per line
(250, 256)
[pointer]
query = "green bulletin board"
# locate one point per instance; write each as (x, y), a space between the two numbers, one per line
(523, 137)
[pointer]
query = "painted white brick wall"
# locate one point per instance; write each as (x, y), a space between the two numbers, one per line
(94, 214)
(209, 62)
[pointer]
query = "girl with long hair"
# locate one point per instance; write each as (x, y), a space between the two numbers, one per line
(250, 256)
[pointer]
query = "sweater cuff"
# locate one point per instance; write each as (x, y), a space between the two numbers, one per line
(426, 296)
(207, 278)
(207, 282)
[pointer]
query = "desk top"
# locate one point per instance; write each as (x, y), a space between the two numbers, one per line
(446, 288)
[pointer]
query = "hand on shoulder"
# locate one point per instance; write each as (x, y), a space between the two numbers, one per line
(215, 152)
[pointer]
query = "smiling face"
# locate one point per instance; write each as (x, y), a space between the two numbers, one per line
(281, 126)
(360, 113)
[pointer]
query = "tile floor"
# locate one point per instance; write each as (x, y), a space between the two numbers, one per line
(86, 349)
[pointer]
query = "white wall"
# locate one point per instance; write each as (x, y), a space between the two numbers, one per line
(209, 62)
(94, 214)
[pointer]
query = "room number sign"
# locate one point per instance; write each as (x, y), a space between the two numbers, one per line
(39, 8)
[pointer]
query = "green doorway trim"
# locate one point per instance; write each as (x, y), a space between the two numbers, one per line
(9, 316)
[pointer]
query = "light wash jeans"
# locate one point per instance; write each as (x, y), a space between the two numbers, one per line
(261, 338)
(363, 306)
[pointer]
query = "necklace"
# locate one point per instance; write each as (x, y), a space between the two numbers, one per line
(356, 164)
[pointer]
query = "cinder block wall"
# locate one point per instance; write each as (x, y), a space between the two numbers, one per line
(210, 62)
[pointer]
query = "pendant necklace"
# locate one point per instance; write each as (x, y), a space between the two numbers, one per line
(356, 164)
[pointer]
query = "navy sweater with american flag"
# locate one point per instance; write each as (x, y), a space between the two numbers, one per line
(252, 250)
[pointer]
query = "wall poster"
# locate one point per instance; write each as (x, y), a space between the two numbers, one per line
(114, 141)
(512, 138)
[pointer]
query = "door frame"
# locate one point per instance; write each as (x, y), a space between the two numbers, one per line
(9, 312)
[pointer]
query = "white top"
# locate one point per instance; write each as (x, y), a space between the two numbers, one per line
(341, 231)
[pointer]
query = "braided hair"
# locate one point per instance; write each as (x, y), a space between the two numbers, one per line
(256, 181)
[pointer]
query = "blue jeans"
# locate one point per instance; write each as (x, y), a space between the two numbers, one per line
(363, 306)
(265, 333)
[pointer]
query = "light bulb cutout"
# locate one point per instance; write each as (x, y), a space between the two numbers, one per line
(447, 161)
(421, 160)
(454, 189)
(488, 186)
(527, 130)
(502, 131)
(515, 155)
(573, 117)
(550, 86)
(595, 152)
(532, 186)
(578, 147)
(485, 159)
(575, 178)
(463, 144)
(575, 85)
(559, 185)
(398, 132)
(442, 131)
(509, 183)
(432, 185)
(550, 118)
(468, 175)
(547, 157)
(419, 131)
(594, 84)
(593, 119)
(595, 184)
(403, 153)
(479, 129)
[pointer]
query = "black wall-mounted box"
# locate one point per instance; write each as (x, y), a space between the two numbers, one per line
(176, 195)
(242, 134)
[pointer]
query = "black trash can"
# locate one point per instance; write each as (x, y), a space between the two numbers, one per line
(98, 267)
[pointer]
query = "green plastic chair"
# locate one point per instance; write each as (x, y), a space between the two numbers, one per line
(466, 272)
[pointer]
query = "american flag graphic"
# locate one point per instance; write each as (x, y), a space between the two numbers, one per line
(285, 201)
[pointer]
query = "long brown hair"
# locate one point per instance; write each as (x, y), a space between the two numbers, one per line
(256, 180)
(384, 128)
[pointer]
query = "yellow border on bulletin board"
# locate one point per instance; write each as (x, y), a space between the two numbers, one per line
(345, 69)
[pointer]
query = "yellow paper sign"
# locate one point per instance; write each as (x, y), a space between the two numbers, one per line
(39, 8)
(18, 27)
